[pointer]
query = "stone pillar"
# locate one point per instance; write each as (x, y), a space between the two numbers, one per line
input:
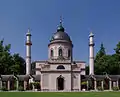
(95, 84)
(1, 84)
(8, 85)
(102, 84)
(17, 85)
(25, 85)
(110, 85)
(42, 83)
(117, 84)
(79, 82)
(87, 85)
(114, 84)
(33, 87)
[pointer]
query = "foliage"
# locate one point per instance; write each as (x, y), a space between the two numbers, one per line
(10, 64)
(100, 88)
(36, 85)
(101, 52)
(4, 89)
(115, 88)
(19, 64)
(117, 49)
(84, 83)
(30, 86)
(20, 88)
(105, 63)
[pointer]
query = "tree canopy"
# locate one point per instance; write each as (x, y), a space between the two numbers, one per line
(105, 63)
(10, 64)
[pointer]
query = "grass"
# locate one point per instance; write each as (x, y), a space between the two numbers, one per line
(59, 94)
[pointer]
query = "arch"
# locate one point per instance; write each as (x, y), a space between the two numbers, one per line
(51, 52)
(60, 52)
(91, 83)
(60, 83)
(106, 83)
(69, 53)
(60, 67)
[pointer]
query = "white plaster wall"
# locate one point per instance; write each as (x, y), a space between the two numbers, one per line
(83, 72)
(56, 47)
(82, 65)
(54, 67)
(53, 81)
(38, 65)
(76, 81)
(38, 72)
(45, 81)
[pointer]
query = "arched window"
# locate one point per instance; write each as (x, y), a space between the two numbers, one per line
(60, 52)
(69, 53)
(51, 53)
(60, 67)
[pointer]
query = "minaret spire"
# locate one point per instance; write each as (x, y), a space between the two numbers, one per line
(28, 52)
(91, 53)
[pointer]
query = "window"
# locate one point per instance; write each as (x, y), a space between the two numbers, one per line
(51, 53)
(60, 52)
(69, 53)
(60, 67)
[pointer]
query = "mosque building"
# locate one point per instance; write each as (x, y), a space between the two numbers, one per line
(60, 72)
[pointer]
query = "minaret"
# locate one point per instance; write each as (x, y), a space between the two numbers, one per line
(91, 54)
(28, 52)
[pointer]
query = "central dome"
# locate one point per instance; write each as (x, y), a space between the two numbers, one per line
(60, 34)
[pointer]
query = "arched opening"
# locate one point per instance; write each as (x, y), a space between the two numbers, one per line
(51, 53)
(106, 83)
(60, 83)
(119, 83)
(60, 52)
(69, 53)
(91, 83)
(60, 67)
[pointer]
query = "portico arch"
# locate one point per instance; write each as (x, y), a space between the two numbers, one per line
(60, 83)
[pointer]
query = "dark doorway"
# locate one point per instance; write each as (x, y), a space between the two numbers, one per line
(91, 84)
(106, 84)
(60, 82)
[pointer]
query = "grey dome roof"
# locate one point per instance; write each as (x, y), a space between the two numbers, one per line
(60, 35)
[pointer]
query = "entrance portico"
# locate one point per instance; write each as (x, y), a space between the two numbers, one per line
(60, 83)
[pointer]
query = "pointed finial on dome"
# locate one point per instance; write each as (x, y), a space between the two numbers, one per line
(61, 20)
(28, 32)
(91, 34)
(60, 27)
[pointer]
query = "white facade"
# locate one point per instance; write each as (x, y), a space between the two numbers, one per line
(50, 74)
(60, 72)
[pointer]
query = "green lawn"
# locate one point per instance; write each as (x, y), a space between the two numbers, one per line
(59, 94)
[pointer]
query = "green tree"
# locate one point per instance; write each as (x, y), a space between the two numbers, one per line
(10, 64)
(117, 49)
(105, 63)
(100, 59)
(87, 69)
(5, 58)
(100, 53)
(18, 66)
